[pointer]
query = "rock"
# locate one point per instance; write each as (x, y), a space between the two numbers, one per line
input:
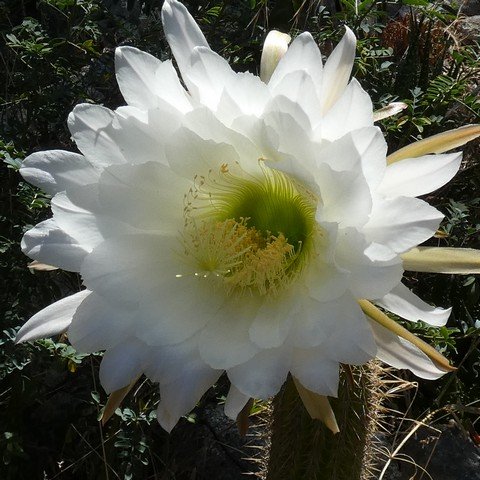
(211, 448)
(469, 28)
(470, 8)
(444, 452)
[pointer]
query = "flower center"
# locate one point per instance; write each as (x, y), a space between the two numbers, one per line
(254, 234)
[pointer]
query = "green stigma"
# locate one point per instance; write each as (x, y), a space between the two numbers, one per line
(255, 234)
(273, 206)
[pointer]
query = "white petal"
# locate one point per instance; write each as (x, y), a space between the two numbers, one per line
(76, 221)
(91, 128)
(135, 71)
(177, 309)
(416, 176)
(131, 268)
(271, 325)
(100, 325)
(170, 363)
(337, 327)
(148, 273)
(252, 130)
(180, 396)
(207, 77)
(228, 110)
(53, 319)
(225, 341)
(337, 70)
(151, 196)
(49, 244)
(141, 135)
(402, 223)
(404, 303)
(204, 123)
(399, 353)
(316, 371)
(288, 124)
(349, 337)
(298, 87)
(323, 278)
(143, 79)
(345, 196)
(302, 55)
(128, 135)
(289, 164)
(363, 149)
(379, 253)
(274, 48)
(169, 88)
(81, 216)
(192, 157)
(313, 320)
(353, 110)
(182, 32)
(279, 110)
(235, 402)
(56, 170)
(326, 281)
(122, 364)
(247, 92)
(183, 378)
(264, 374)
(372, 272)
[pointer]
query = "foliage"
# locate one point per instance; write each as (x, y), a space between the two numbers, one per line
(57, 53)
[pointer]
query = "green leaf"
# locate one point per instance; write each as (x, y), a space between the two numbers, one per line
(416, 3)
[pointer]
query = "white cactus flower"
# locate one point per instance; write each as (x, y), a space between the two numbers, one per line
(235, 225)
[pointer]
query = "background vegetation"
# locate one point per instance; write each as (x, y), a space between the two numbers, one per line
(57, 53)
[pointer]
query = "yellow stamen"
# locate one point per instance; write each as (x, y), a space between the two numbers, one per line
(266, 268)
(218, 247)
(240, 255)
